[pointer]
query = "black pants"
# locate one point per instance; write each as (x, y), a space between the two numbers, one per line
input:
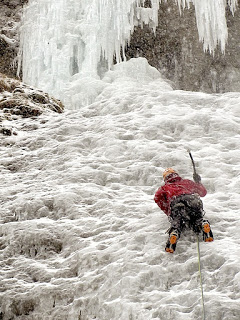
(186, 211)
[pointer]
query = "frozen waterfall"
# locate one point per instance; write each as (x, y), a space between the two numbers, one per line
(68, 45)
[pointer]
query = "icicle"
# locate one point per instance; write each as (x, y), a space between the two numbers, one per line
(211, 21)
(233, 5)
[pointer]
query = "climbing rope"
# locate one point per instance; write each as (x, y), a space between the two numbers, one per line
(200, 276)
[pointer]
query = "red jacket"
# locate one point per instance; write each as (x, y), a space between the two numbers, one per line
(176, 186)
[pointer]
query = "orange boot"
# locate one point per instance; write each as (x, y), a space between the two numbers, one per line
(172, 242)
(207, 232)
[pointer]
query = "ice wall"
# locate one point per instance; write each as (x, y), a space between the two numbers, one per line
(63, 41)
(67, 45)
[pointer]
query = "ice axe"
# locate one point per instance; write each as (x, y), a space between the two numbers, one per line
(193, 163)
(196, 176)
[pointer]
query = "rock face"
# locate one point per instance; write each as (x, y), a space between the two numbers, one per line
(174, 50)
(18, 100)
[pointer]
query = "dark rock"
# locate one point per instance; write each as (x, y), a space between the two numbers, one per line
(16, 98)
(6, 131)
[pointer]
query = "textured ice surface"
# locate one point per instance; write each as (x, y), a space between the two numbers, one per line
(81, 237)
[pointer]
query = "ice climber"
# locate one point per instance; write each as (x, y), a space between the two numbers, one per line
(180, 199)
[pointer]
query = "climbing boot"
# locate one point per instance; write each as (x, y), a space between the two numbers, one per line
(172, 242)
(207, 232)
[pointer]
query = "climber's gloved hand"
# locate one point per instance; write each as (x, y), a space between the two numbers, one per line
(196, 178)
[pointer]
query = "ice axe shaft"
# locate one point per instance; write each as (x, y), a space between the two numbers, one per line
(193, 163)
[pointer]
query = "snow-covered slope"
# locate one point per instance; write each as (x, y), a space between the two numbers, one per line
(81, 237)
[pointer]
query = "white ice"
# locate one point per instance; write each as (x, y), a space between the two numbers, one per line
(81, 237)
(67, 46)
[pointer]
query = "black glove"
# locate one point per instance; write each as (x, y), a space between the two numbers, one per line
(196, 178)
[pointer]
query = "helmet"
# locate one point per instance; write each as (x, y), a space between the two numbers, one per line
(167, 172)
